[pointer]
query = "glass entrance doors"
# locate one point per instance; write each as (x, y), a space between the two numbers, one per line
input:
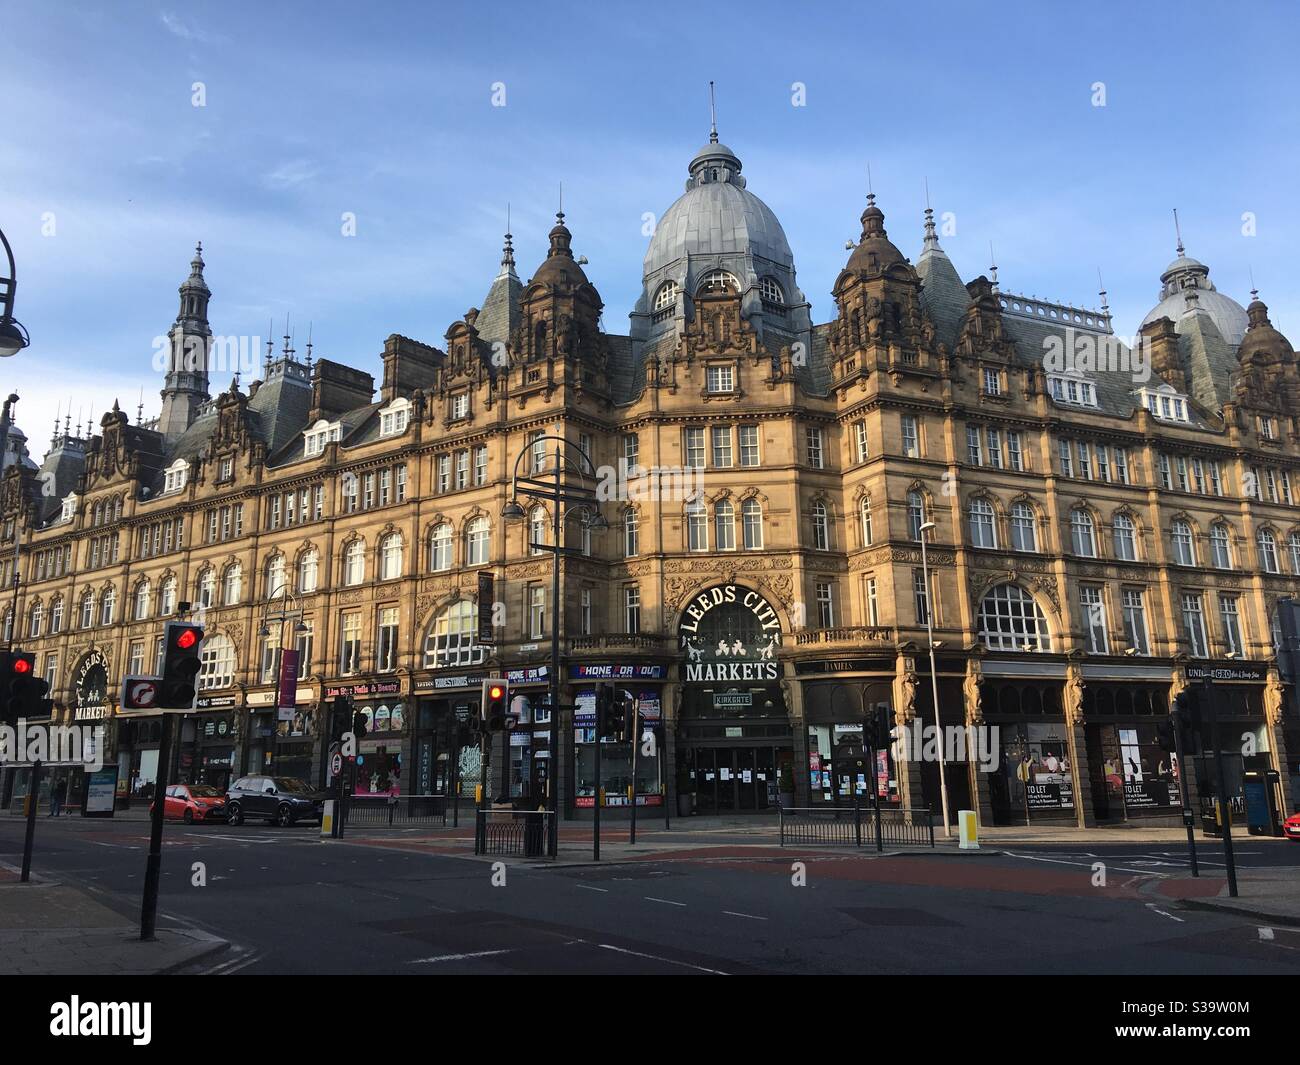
(733, 779)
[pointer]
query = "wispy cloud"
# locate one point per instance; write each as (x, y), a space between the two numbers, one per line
(290, 173)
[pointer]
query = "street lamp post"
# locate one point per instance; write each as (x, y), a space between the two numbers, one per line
(565, 498)
(934, 680)
(289, 610)
(13, 335)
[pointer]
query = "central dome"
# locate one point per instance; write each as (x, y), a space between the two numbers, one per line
(1186, 275)
(717, 215)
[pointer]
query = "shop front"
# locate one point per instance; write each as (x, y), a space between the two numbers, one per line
(281, 740)
(734, 740)
(641, 685)
(1133, 777)
(381, 754)
(208, 743)
(1033, 780)
(1236, 692)
(834, 710)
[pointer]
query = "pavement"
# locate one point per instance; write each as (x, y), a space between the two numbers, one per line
(49, 928)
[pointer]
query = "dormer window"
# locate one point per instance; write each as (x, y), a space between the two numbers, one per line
(721, 378)
(1072, 390)
(393, 420)
(226, 470)
(717, 282)
(320, 434)
(1165, 404)
(175, 475)
(666, 297)
(69, 508)
(770, 289)
(1268, 428)
(460, 406)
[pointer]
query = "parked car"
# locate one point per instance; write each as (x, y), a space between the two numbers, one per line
(193, 802)
(280, 800)
(1291, 827)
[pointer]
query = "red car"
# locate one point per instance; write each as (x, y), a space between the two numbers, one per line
(193, 802)
(1291, 827)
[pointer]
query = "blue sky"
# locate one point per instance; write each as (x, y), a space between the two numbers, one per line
(385, 110)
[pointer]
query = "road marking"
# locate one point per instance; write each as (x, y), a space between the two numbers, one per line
(459, 957)
(1085, 865)
(1266, 933)
(666, 902)
(1152, 906)
(588, 887)
(752, 917)
(655, 957)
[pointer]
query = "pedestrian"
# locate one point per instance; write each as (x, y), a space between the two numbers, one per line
(57, 794)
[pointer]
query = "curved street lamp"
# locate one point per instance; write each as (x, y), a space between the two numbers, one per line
(13, 334)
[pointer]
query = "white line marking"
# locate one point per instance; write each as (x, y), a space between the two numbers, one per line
(1266, 933)
(459, 957)
(752, 917)
(666, 902)
(655, 957)
(1152, 906)
(588, 887)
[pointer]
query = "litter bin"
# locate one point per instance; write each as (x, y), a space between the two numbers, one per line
(534, 834)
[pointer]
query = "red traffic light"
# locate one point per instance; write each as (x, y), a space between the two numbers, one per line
(187, 639)
(495, 691)
(22, 665)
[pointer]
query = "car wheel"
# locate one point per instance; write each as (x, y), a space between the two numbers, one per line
(189, 817)
(284, 815)
(235, 814)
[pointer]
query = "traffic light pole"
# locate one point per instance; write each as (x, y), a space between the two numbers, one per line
(153, 868)
(595, 821)
(635, 733)
(29, 840)
(1225, 806)
(1187, 801)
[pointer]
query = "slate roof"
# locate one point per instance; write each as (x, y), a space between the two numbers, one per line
(943, 294)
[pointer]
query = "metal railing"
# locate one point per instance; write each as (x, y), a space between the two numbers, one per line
(395, 811)
(522, 833)
(842, 825)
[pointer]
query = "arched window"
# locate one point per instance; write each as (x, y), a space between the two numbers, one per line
(440, 547)
(717, 281)
(724, 525)
(1293, 545)
(208, 587)
(983, 532)
(1010, 620)
(354, 563)
(390, 557)
(140, 604)
(217, 662)
(451, 639)
(915, 514)
(770, 289)
(274, 575)
(1124, 533)
(821, 530)
(1220, 546)
(751, 519)
(631, 533)
(864, 513)
(232, 584)
(536, 530)
(1082, 540)
(1024, 528)
(87, 609)
(666, 296)
(56, 616)
(697, 527)
(476, 542)
(36, 617)
(1268, 551)
(108, 607)
(167, 596)
(1184, 547)
(308, 571)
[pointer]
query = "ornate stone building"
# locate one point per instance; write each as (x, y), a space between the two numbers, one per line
(1098, 535)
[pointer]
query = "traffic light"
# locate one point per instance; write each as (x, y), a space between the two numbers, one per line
(1186, 715)
(1165, 735)
(341, 717)
(611, 713)
(495, 705)
(177, 686)
(876, 728)
(22, 692)
(360, 723)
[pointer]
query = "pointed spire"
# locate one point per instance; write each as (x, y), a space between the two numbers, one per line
(54, 438)
(196, 264)
(931, 237)
(1254, 292)
(1178, 231)
(993, 267)
(270, 344)
(1105, 307)
(309, 327)
(139, 408)
(713, 116)
(508, 251)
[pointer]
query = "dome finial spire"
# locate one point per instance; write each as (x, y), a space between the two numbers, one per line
(931, 237)
(993, 267)
(1178, 231)
(1105, 308)
(713, 116)
(1254, 292)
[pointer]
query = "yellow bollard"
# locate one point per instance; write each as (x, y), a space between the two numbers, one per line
(968, 829)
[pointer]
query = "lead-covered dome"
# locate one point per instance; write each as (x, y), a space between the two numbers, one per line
(1185, 275)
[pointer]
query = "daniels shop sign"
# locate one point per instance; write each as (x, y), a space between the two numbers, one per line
(730, 633)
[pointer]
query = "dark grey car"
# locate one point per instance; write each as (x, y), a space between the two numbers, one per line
(280, 800)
